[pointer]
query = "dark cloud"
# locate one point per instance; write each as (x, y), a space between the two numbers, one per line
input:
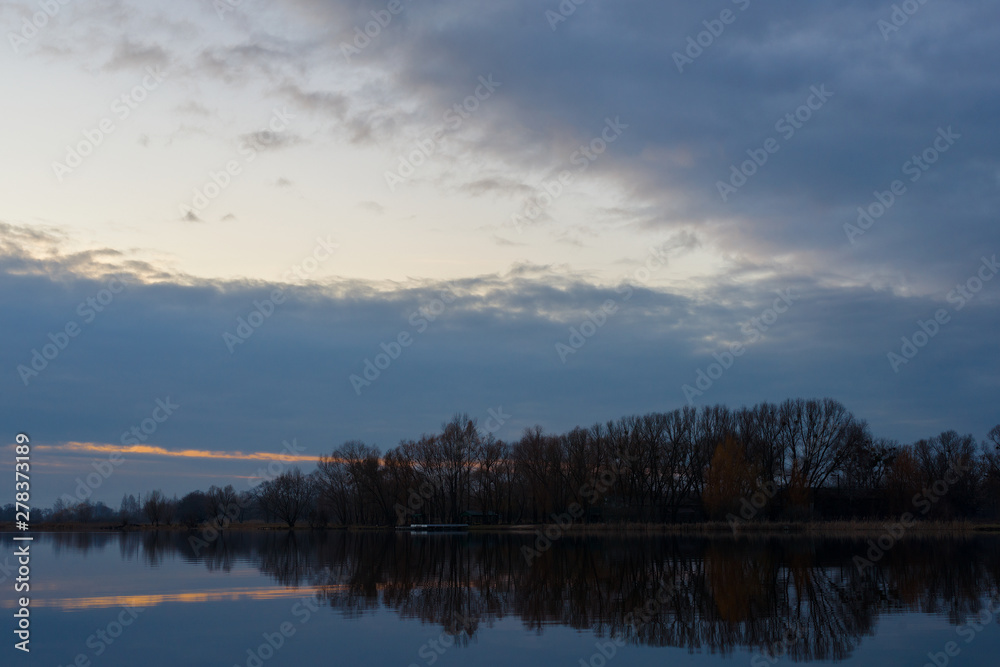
(500, 186)
(686, 130)
(130, 55)
(495, 344)
(268, 140)
(478, 343)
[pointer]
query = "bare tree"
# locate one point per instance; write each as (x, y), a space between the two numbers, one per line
(368, 477)
(287, 497)
(157, 508)
(540, 468)
(681, 465)
(194, 508)
(129, 512)
(712, 427)
(650, 467)
(224, 504)
(459, 442)
(816, 437)
(759, 431)
(487, 480)
(951, 457)
(334, 488)
(990, 492)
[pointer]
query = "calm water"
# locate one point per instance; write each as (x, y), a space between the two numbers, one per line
(255, 599)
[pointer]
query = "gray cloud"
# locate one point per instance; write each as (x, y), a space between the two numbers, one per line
(687, 130)
(267, 140)
(130, 55)
(494, 345)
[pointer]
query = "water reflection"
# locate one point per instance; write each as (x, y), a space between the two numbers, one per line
(718, 595)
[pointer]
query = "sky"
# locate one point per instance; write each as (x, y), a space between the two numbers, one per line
(240, 233)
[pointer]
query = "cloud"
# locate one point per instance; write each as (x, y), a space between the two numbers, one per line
(477, 343)
(372, 206)
(269, 141)
(147, 601)
(152, 450)
(500, 241)
(132, 55)
(499, 186)
(687, 130)
(658, 183)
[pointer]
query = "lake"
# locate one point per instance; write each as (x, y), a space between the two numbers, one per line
(258, 599)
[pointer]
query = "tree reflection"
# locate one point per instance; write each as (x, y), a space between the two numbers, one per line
(717, 594)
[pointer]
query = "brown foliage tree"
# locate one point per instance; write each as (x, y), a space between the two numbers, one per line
(730, 477)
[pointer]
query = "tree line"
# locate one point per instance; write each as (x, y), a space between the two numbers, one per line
(801, 459)
(795, 460)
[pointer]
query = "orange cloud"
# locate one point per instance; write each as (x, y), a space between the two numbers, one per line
(216, 595)
(152, 450)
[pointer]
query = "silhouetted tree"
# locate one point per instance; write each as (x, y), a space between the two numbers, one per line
(193, 509)
(903, 482)
(157, 508)
(816, 437)
(656, 466)
(990, 491)
(288, 496)
(942, 459)
(225, 505)
(730, 477)
(129, 510)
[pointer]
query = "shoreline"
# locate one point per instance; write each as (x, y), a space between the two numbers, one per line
(713, 529)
